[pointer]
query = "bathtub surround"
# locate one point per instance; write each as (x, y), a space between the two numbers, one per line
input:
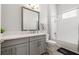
(67, 29)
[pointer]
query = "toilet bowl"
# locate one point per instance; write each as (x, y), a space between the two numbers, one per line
(52, 47)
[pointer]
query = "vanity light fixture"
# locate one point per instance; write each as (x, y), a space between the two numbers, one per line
(32, 6)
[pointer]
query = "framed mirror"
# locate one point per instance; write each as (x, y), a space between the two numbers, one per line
(30, 20)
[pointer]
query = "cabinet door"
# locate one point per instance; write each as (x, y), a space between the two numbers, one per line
(7, 51)
(42, 46)
(22, 49)
(34, 48)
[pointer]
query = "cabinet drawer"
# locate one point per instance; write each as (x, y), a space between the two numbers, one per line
(37, 37)
(14, 42)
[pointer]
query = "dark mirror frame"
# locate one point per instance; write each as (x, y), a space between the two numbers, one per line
(22, 19)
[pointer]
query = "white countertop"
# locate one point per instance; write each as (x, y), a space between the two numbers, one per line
(10, 37)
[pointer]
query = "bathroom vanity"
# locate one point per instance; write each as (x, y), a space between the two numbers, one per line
(22, 44)
(31, 44)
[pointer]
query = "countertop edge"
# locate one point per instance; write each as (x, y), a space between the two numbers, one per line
(10, 37)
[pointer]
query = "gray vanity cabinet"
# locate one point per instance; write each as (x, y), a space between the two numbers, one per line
(42, 46)
(15, 47)
(8, 51)
(34, 45)
(37, 45)
(21, 49)
(34, 48)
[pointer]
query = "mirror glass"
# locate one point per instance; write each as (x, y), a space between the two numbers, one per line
(30, 19)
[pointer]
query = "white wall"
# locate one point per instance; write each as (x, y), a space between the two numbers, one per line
(67, 29)
(44, 15)
(52, 21)
(11, 17)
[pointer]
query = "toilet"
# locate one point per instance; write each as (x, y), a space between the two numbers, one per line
(52, 47)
